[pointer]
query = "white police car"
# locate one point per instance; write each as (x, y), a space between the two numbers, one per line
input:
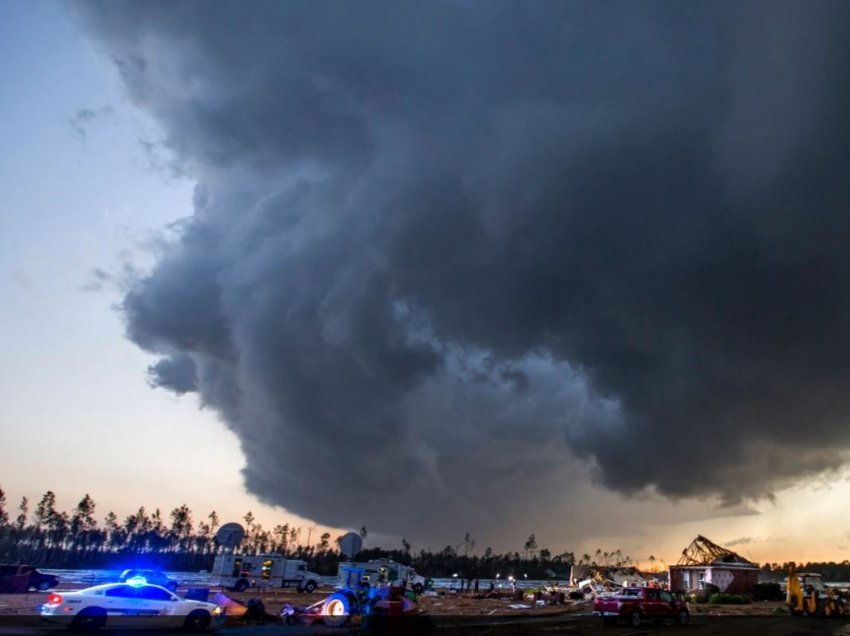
(134, 603)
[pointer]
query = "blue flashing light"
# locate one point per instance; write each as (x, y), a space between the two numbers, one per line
(137, 581)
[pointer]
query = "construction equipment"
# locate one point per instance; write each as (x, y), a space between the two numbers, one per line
(808, 596)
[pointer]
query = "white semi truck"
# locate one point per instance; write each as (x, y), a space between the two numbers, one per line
(382, 571)
(240, 571)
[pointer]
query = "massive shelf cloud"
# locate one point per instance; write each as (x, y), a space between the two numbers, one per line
(443, 253)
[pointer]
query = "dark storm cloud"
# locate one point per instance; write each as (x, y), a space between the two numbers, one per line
(178, 374)
(440, 250)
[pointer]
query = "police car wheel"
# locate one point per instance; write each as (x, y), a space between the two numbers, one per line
(89, 619)
(197, 620)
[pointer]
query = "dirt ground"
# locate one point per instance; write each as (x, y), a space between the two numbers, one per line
(275, 599)
(456, 614)
(699, 626)
(442, 605)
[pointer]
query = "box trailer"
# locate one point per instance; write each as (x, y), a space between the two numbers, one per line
(239, 572)
(381, 572)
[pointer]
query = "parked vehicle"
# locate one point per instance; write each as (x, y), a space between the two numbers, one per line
(20, 578)
(154, 577)
(14, 579)
(39, 580)
(383, 571)
(239, 572)
(127, 605)
(636, 605)
(808, 596)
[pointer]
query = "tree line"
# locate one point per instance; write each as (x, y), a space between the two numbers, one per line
(45, 536)
(829, 570)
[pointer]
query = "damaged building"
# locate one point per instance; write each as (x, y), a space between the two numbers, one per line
(705, 563)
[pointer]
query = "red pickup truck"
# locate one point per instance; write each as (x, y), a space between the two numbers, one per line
(639, 604)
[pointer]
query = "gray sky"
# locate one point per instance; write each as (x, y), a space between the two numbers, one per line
(536, 269)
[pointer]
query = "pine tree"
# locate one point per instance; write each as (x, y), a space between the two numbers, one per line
(21, 521)
(83, 518)
(181, 525)
(4, 516)
(249, 522)
(281, 535)
(530, 547)
(214, 521)
(45, 511)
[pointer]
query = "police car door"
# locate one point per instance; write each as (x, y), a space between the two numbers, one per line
(122, 605)
(156, 605)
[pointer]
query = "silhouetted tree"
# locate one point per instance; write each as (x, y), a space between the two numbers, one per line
(181, 526)
(249, 521)
(4, 516)
(214, 521)
(324, 542)
(530, 546)
(45, 511)
(22, 517)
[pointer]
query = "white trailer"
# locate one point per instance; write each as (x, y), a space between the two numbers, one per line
(382, 572)
(240, 571)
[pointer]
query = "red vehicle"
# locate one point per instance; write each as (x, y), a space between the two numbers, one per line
(638, 604)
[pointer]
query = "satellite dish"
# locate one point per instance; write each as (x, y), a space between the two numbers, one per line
(350, 544)
(230, 535)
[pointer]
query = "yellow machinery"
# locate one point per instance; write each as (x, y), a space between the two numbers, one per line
(808, 596)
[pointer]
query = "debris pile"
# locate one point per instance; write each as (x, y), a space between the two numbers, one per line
(590, 580)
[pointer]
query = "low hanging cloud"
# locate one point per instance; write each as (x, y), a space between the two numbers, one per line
(447, 259)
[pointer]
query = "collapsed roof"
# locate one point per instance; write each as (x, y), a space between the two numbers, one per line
(705, 552)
